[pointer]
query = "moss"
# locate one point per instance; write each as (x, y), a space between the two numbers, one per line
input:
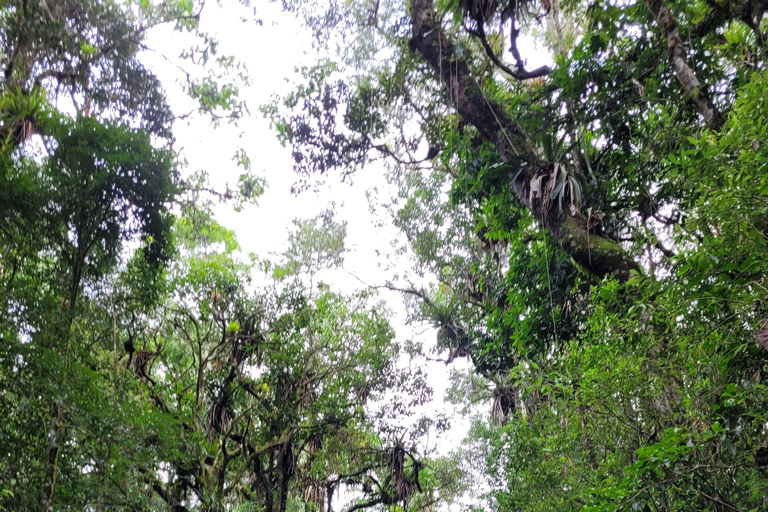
(598, 254)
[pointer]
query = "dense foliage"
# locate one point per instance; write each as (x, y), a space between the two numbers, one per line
(145, 364)
(594, 231)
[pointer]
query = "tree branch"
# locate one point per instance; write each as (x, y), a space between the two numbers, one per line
(367, 504)
(683, 71)
(520, 73)
(599, 255)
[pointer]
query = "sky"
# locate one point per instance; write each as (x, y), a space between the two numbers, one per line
(272, 51)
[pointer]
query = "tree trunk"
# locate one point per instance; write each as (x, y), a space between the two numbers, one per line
(683, 71)
(55, 438)
(597, 254)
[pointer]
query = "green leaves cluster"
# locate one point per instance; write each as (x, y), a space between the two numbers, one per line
(643, 394)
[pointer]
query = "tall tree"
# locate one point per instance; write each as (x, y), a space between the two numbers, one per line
(85, 170)
(599, 254)
(269, 389)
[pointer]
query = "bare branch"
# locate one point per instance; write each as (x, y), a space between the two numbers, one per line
(520, 73)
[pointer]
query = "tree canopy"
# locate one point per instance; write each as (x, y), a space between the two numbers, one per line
(594, 228)
(582, 188)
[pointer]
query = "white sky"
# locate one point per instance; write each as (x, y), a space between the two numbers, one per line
(271, 52)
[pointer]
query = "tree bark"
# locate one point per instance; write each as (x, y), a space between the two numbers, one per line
(599, 255)
(55, 438)
(683, 71)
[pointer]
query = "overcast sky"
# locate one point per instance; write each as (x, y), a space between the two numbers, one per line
(271, 52)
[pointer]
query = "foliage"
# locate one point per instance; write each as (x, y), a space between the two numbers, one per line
(591, 236)
(595, 232)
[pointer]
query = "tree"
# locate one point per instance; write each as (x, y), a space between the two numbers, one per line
(591, 257)
(104, 185)
(594, 231)
(78, 185)
(269, 388)
(142, 368)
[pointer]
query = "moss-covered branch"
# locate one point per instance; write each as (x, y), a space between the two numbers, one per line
(599, 255)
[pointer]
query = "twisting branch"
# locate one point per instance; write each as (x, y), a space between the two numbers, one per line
(382, 148)
(368, 504)
(411, 291)
(520, 73)
(666, 252)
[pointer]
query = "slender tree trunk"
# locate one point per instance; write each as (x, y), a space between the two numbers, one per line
(55, 437)
(59, 343)
(683, 71)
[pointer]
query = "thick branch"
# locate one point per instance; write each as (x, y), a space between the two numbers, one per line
(156, 486)
(465, 93)
(599, 255)
(683, 71)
